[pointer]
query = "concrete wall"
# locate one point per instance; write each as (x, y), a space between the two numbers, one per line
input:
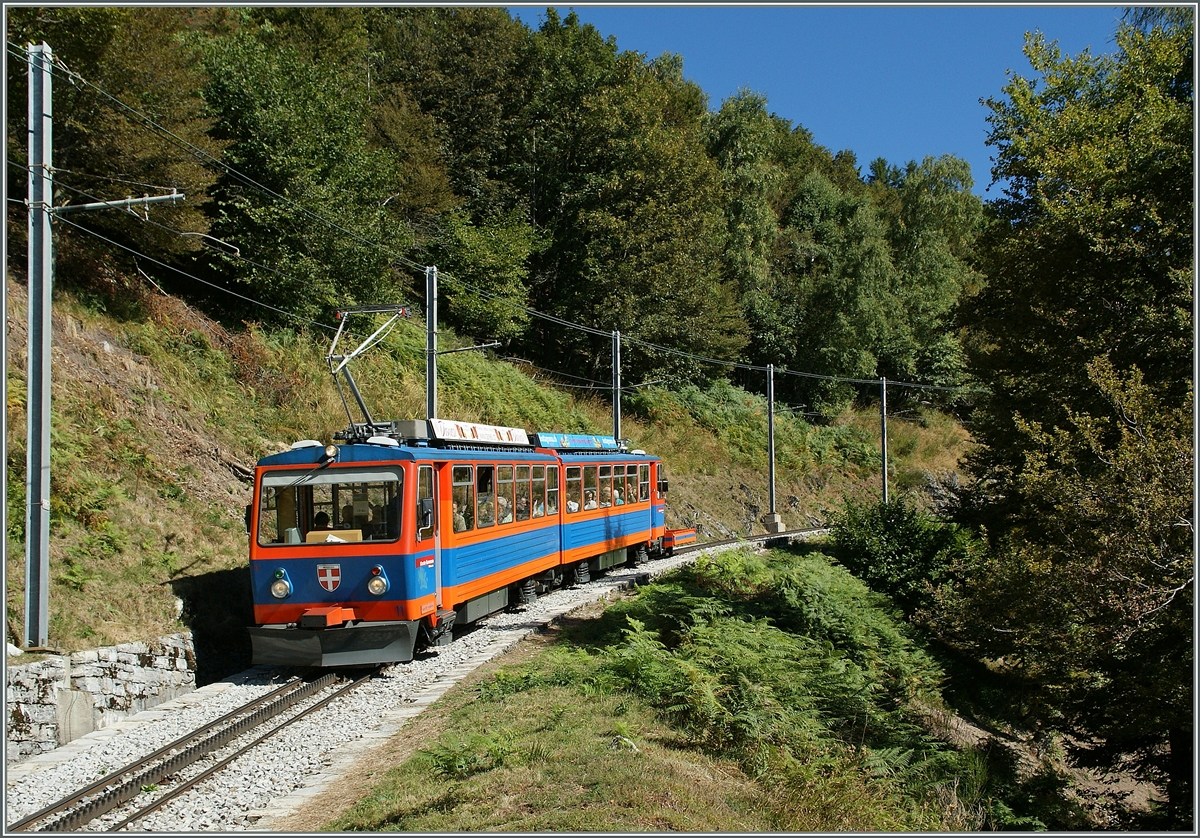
(63, 697)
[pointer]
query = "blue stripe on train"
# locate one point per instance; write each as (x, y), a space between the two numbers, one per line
(468, 562)
(577, 533)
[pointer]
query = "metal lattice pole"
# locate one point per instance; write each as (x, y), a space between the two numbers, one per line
(41, 280)
(616, 384)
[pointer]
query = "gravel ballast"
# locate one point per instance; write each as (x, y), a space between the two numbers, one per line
(284, 771)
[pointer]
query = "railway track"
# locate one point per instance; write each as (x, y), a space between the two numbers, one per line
(117, 788)
(754, 539)
(124, 795)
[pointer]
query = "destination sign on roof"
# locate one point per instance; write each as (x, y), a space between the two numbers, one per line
(473, 432)
(576, 441)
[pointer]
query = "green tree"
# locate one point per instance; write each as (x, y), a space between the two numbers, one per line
(740, 139)
(288, 96)
(1094, 599)
(469, 70)
(631, 203)
(104, 151)
(933, 222)
(485, 272)
(1083, 337)
(839, 275)
(1090, 253)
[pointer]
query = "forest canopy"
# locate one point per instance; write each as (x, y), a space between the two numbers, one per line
(329, 153)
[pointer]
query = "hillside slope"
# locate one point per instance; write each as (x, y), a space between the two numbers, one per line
(159, 414)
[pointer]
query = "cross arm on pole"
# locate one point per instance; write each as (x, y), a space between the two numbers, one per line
(127, 203)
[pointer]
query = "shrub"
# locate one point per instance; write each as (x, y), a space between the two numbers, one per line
(899, 550)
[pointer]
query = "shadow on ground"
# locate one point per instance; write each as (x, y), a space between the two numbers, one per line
(217, 608)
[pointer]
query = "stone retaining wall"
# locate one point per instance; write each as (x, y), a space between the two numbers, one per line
(63, 697)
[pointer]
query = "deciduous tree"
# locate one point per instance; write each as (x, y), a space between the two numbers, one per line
(1083, 337)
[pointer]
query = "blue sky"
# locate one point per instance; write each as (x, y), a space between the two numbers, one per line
(899, 82)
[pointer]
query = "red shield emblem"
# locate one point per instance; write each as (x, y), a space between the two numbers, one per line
(329, 575)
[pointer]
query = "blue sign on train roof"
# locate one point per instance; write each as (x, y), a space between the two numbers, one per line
(575, 441)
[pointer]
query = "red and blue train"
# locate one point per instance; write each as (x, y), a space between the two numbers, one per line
(361, 551)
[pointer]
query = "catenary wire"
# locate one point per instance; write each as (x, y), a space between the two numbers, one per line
(196, 278)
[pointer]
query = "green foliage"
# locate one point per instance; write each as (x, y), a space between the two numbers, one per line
(1090, 254)
(1083, 336)
(459, 759)
(899, 550)
(1096, 602)
(738, 422)
(791, 666)
(291, 111)
(103, 152)
(485, 268)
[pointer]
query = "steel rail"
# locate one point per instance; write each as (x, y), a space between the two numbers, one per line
(112, 790)
(208, 772)
(770, 536)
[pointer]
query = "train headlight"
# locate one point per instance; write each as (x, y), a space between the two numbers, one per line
(331, 452)
(281, 586)
(378, 583)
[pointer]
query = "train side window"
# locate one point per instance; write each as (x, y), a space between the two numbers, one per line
(605, 486)
(424, 493)
(574, 489)
(485, 515)
(631, 495)
(589, 487)
(463, 490)
(644, 480)
(552, 490)
(539, 491)
(504, 494)
(521, 505)
(618, 485)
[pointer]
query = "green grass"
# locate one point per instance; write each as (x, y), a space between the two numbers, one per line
(550, 760)
(744, 693)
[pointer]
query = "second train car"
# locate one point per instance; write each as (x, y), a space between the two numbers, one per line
(360, 551)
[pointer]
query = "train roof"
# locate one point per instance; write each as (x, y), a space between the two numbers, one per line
(450, 440)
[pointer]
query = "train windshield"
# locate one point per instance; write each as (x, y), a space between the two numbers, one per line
(330, 506)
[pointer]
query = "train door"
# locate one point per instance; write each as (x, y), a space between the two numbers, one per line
(427, 523)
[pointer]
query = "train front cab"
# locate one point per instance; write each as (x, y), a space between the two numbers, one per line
(422, 536)
(337, 569)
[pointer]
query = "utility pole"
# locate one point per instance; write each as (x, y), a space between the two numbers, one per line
(37, 405)
(616, 385)
(883, 433)
(41, 282)
(431, 342)
(772, 519)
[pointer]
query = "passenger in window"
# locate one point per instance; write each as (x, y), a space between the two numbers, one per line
(347, 516)
(486, 513)
(376, 526)
(522, 508)
(460, 520)
(321, 521)
(617, 501)
(572, 506)
(589, 499)
(539, 509)
(505, 510)
(605, 497)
